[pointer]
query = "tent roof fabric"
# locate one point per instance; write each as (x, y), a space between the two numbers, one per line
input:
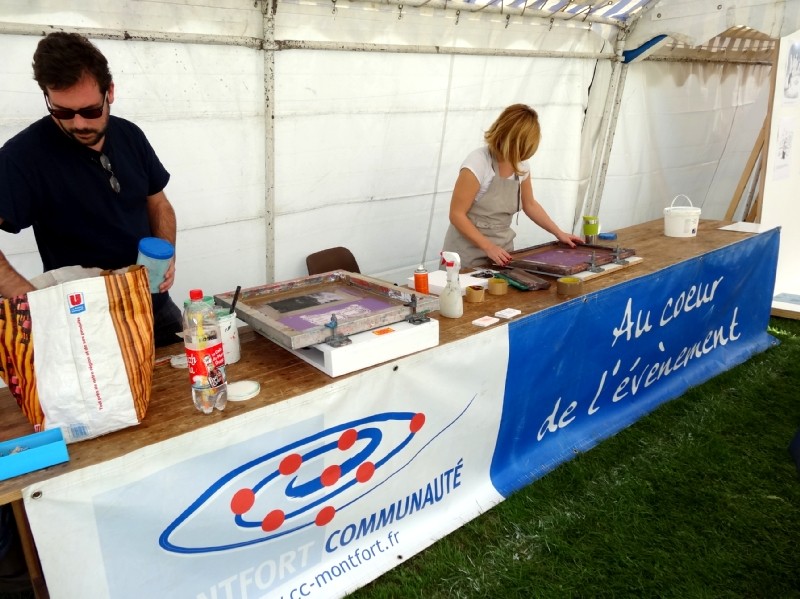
(620, 10)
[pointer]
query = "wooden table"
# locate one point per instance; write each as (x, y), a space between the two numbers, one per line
(283, 375)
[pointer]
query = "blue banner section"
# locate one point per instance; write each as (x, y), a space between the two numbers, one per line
(583, 370)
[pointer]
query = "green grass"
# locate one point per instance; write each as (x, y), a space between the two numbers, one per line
(698, 499)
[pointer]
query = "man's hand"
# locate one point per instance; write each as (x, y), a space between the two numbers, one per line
(169, 277)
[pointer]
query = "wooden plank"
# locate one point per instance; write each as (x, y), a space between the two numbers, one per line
(781, 313)
(29, 551)
(754, 216)
(747, 173)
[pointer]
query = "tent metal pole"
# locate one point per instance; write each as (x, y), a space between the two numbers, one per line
(417, 49)
(268, 7)
(607, 130)
(40, 30)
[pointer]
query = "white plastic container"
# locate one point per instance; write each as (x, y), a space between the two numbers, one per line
(230, 335)
(681, 221)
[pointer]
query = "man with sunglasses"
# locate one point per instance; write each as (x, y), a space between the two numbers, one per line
(88, 183)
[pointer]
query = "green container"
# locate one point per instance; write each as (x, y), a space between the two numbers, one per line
(591, 225)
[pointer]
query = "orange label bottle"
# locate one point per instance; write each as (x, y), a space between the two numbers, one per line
(421, 279)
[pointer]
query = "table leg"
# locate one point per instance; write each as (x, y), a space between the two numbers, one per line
(29, 550)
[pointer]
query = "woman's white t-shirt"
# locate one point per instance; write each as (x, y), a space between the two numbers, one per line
(479, 162)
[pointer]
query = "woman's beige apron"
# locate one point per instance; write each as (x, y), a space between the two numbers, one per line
(492, 216)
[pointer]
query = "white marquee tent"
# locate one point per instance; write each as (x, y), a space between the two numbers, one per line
(295, 125)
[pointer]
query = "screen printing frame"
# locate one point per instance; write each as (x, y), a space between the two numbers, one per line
(543, 258)
(389, 304)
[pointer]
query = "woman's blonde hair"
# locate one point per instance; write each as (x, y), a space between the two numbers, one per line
(514, 137)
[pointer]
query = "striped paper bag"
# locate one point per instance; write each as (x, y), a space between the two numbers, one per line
(78, 354)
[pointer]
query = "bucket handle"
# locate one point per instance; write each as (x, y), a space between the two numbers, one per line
(681, 195)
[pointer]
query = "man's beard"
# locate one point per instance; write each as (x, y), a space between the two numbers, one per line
(86, 137)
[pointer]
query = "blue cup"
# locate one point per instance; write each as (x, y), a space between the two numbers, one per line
(155, 254)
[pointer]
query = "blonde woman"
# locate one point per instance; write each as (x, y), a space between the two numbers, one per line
(493, 184)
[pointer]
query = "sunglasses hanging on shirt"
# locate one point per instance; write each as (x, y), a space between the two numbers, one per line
(106, 164)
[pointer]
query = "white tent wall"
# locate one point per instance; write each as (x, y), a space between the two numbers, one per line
(373, 107)
(381, 138)
(385, 131)
(684, 128)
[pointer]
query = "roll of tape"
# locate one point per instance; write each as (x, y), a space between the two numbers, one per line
(498, 286)
(569, 286)
(474, 294)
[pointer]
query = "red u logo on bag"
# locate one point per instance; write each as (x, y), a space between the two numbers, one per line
(76, 304)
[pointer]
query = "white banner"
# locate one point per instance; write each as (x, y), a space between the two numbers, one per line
(311, 497)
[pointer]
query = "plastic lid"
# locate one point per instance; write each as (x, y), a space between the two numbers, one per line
(154, 247)
(196, 295)
(243, 390)
(179, 361)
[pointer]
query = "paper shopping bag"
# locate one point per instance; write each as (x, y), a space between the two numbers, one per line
(78, 354)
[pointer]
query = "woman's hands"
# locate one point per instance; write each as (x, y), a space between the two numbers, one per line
(569, 239)
(498, 255)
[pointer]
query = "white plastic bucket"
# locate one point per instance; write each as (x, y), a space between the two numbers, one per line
(681, 221)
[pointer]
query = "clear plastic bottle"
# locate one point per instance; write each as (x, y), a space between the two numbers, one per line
(204, 354)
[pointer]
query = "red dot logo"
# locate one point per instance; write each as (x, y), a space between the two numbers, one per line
(242, 501)
(365, 472)
(331, 475)
(273, 521)
(348, 439)
(325, 515)
(290, 464)
(417, 422)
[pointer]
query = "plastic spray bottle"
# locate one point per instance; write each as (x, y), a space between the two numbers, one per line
(451, 304)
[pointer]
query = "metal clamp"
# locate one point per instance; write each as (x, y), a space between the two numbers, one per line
(336, 339)
(617, 259)
(593, 263)
(416, 317)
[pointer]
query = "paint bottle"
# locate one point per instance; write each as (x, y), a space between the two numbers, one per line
(421, 279)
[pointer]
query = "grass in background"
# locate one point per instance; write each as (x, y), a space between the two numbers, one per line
(698, 499)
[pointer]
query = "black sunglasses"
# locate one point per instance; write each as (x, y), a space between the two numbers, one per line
(67, 114)
(106, 164)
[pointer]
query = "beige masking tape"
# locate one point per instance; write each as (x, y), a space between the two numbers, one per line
(498, 286)
(474, 294)
(569, 286)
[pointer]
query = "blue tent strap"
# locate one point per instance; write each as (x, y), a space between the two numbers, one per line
(631, 55)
